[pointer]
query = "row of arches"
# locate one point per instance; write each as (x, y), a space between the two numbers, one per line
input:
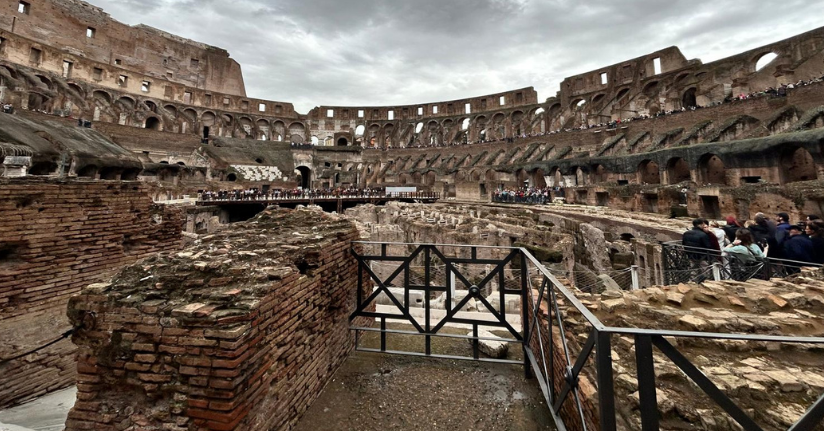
(795, 163)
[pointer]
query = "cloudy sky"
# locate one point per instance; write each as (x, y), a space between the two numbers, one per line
(392, 52)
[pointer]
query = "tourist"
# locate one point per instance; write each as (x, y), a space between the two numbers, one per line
(720, 234)
(697, 237)
(731, 228)
(744, 248)
(782, 228)
(797, 247)
(764, 235)
(813, 217)
(815, 231)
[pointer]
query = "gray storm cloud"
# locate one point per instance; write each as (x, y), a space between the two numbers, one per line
(371, 52)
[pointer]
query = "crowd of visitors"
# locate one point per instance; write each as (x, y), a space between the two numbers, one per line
(752, 240)
(781, 91)
(255, 194)
(530, 195)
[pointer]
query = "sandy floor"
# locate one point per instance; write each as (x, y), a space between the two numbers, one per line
(385, 392)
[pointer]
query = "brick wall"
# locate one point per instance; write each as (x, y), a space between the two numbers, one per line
(241, 331)
(554, 349)
(55, 238)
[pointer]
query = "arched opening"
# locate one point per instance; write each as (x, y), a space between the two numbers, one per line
(539, 178)
(621, 94)
(465, 124)
(150, 105)
(765, 60)
(43, 168)
(305, 177)
(651, 89)
(599, 174)
(110, 173)
(711, 170)
(578, 103)
(231, 178)
(797, 164)
(315, 140)
(297, 131)
(648, 173)
(89, 171)
(343, 142)
(419, 128)
(130, 174)
(678, 170)
(37, 102)
(689, 100)
(152, 123)
(491, 176)
(360, 130)
(103, 97)
(430, 178)
(126, 103)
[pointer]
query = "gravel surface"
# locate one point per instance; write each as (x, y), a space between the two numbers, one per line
(386, 392)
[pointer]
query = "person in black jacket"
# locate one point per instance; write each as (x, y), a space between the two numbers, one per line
(731, 228)
(797, 248)
(696, 241)
(815, 230)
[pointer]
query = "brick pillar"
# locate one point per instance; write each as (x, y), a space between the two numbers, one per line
(239, 332)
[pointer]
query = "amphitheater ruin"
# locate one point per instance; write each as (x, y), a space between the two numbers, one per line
(184, 257)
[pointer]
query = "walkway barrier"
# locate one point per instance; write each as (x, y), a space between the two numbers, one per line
(553, 354)
(526, 200)
(684, 264)
(264, 198)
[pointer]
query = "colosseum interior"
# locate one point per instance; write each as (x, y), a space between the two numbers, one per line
(146, 268)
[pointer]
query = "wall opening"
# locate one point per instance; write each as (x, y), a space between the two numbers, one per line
(43, 168)
(152, 123)
(648, 173)
(710, 207)
(689, 99)
(765, 60)
(712, 171)
(797, 165)
(305, 177)
(343, 142)
(678, 170)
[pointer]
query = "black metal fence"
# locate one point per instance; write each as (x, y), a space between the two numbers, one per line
(509, 198)
(550, 354)
(683, 264)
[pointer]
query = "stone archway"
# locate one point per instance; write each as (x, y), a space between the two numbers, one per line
(711, 170)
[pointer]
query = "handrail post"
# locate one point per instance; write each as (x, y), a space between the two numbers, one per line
(606, 386)
(716, 271)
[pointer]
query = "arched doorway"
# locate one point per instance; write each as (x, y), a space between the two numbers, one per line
(153, 123)
(305, 177)
(797, 164)
(648, 173)
(343, 142)
(678, 170)
(689, 100)
(711, 170)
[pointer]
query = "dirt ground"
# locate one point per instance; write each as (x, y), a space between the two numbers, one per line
(374, 391)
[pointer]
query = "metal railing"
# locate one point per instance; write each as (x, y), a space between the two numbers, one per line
(551, 353)
(313, 196)
(684, 264)
(517, 199)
